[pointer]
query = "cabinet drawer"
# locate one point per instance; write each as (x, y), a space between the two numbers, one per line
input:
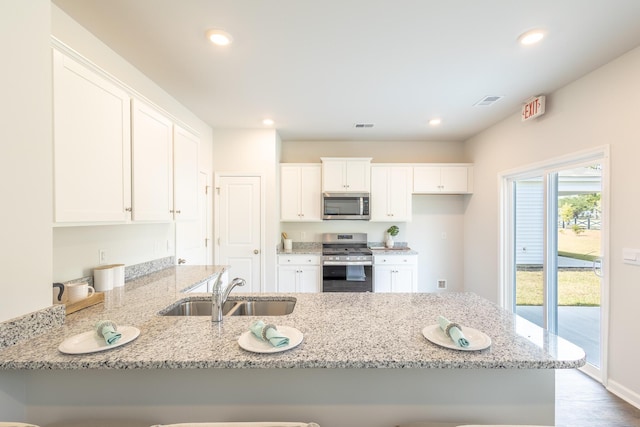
(298, 259)
(395, 259)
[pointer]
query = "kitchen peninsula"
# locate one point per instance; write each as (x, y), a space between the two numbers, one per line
(363, 362)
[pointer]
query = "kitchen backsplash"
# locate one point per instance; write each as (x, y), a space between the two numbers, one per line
(134, 271)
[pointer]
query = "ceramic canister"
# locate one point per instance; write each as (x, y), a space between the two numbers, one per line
(118, 275)
(103, 278)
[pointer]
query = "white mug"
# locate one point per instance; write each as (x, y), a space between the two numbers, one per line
(78, 291)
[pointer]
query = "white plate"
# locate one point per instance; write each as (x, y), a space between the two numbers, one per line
(477, 340)
(250, 342)
(90, 342)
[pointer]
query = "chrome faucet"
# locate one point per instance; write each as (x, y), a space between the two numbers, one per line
(220, 295)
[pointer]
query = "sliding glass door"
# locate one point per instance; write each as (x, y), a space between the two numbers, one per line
(553, 251)
(529, 249)
(579, 242)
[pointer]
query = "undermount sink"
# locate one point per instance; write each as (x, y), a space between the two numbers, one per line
(262, 307)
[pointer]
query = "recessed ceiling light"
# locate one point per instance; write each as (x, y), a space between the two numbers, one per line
(435, 122)
(268, 122)
(531, 37)
(219, 37)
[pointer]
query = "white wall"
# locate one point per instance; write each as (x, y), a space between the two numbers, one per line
(25, 157)
(380, 151)
(598, 109)
(75, 249)
(254, 151)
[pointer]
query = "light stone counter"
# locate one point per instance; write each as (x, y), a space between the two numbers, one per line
(186, 369)
(340, 330)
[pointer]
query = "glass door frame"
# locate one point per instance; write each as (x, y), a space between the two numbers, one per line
(548, 170)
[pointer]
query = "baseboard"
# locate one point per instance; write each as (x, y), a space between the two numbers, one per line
(624, 393)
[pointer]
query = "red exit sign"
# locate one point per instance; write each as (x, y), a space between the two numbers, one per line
(533, 108)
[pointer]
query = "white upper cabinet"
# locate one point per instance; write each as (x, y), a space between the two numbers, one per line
(92, 145)
(450, 179)
(186, 148)
(391, 193)
(117, 159)
(152, 159)
(300, 195)
(346, 174)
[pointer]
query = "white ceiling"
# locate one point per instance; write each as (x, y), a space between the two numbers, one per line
(319, 67)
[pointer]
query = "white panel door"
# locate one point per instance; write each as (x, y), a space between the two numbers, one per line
(239, 228)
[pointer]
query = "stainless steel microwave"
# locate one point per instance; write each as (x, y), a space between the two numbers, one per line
(345, 206)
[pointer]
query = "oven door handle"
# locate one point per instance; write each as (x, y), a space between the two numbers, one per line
(347, 263)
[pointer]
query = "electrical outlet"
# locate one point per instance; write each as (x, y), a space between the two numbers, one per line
(102, 257)
(442, 284)
(303, 236)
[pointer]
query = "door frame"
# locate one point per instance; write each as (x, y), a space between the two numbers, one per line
(216, 219)
(507, 241)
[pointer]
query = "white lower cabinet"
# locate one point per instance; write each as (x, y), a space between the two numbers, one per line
(395, 273)
(299, 273)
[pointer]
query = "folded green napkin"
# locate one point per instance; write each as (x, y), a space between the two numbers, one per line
(452, 330)
(107, 330)
(268, 333)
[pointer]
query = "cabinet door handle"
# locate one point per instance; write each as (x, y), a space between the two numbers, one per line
(128, 209)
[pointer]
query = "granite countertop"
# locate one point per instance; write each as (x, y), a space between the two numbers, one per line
(341, 330)
(311, 248)
(392, 251)
(300, 251)
(301, 248)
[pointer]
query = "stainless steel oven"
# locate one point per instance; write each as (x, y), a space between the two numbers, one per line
(346, 263)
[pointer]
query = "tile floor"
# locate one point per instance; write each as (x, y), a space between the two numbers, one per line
(583, 402)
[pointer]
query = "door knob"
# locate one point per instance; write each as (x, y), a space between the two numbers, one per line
(255, 251)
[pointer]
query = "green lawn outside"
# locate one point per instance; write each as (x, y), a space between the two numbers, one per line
(574, 288)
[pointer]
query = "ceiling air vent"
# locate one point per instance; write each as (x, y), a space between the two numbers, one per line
(363, 125)
(488, 100)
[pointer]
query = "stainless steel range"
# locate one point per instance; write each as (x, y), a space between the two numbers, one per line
(346, 263)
